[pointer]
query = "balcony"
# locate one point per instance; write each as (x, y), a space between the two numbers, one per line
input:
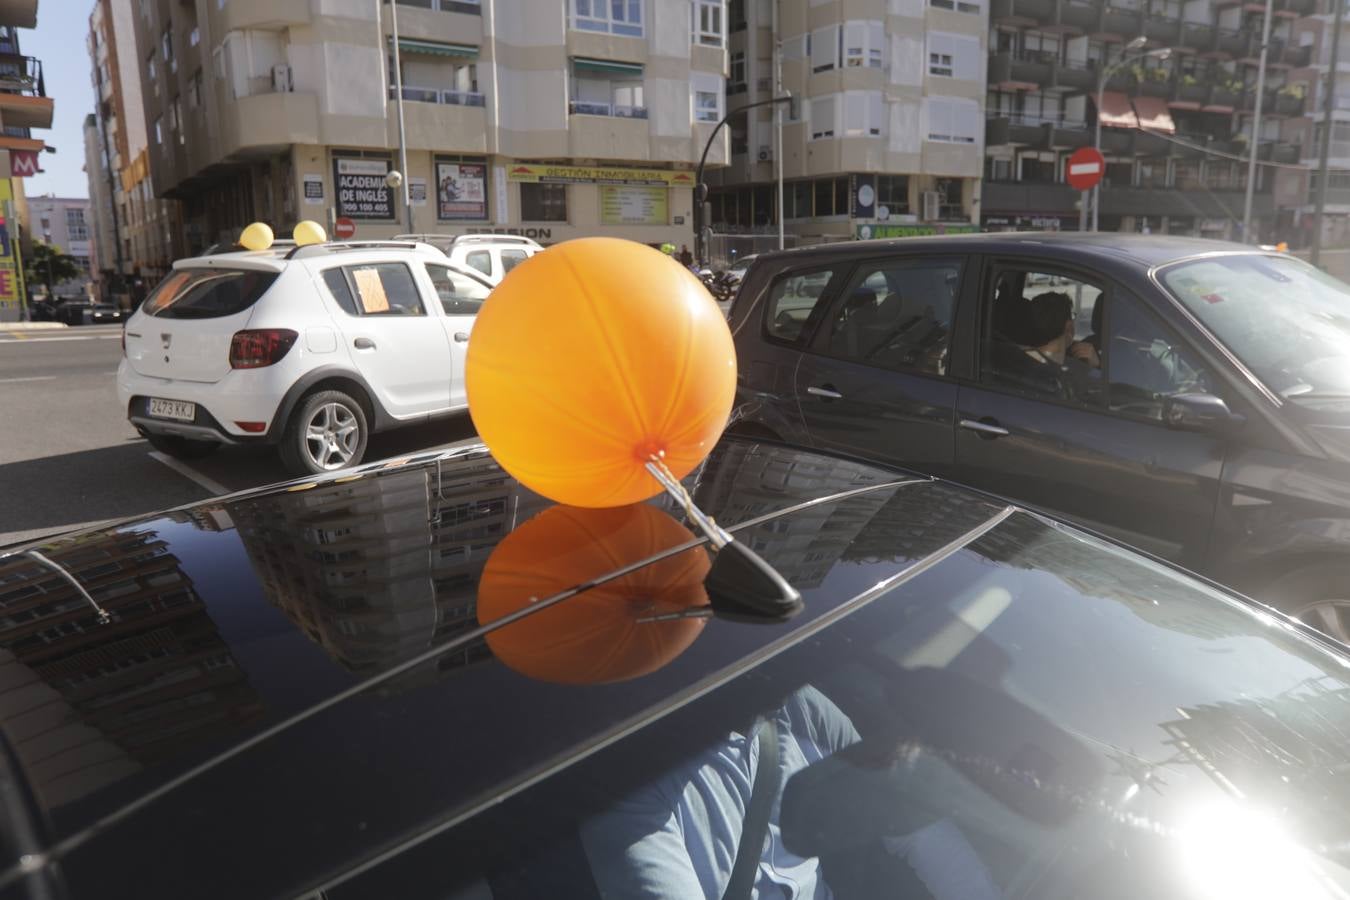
(1297, 57)
(1155, 83)
(445, 126)
(1193, 93)
(1222, 96)
(1298, 7)
(1121, 20)
(1026, 12)
(269, 120)
(609, 136)
(1082, 15)
(1197, 35)
(435, 95)
(19, 13)
(1025, 131)
(1163, 30)
(583, 108)
(1073, 75)
(1288, 104)
(270, 14)
(23, 93)
(469, 7)
(1230, 41)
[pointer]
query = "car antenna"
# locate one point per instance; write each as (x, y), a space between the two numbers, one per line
(741, 585)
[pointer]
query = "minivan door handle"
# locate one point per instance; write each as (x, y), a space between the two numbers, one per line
(461, 337)
(986, 428)
(827, 391)
(363, 343)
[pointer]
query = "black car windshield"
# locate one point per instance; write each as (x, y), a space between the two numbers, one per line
(1285, 320)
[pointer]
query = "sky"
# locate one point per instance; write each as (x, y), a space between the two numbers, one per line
(58, 41)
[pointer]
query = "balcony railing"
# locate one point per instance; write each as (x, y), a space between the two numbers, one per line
(435, 95)
(472, 7)
(583, 108)
(21, 75)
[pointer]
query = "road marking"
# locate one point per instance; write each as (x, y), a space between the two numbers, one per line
(191, 474)
(28, 378)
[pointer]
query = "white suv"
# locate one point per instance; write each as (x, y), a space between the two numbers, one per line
(492, 255)
(310, 348)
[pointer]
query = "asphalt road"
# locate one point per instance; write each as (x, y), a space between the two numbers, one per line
(68, 458)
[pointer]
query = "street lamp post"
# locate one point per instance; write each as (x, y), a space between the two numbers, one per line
(701, 189)
(398, 95)
(1254, 146)
(1134, 44)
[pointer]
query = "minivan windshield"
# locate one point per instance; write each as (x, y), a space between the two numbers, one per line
(1285, 320)
(207, 293)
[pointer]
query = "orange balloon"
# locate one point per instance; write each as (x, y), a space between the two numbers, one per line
(595, 637)
(591, 357)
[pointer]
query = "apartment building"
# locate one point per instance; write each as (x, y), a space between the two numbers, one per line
(64, 223)
(101, 231)
(1297, 192)
(884, 136)
(552, 118)
(24, 107)
(142, 226)
(1178, 105)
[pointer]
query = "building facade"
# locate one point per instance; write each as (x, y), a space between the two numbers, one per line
(552, 118)
(1176, 117)
(143, 226)
(1299, 189)
(64, 223)
(24, 108)
(884, 135)
(101, 231)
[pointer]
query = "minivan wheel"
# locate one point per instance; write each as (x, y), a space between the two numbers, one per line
(181, 447)
(1318, 596)
(327, 431)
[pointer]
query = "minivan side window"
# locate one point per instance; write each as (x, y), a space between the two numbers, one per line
(1038, 328)
(480, 260)
(792, 299)
(896, 315)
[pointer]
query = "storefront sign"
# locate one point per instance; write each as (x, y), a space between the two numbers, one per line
(597, 175)
(11, 281)
(361, 191)
(461, 191)
(538, 234)
(872, 232)
(1030, 223)
(314, 189)
(633, 205)
(417, 192)
(862, 194)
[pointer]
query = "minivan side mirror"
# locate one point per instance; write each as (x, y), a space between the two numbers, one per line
(1200, 412)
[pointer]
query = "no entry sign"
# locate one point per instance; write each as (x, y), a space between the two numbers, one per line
(344, 228)
(1084, 169)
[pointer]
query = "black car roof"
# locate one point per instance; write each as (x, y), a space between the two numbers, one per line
(286, 670)
(1151, 250)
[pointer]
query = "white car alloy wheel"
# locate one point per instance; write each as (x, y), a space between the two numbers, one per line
(332, 436)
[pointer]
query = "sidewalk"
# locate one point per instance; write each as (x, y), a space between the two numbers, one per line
(31, 326)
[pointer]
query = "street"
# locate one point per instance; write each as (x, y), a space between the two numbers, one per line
(68, 458)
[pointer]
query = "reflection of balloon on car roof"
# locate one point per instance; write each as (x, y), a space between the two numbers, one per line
(615, 631)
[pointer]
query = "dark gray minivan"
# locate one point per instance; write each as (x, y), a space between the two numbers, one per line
(1195, 402)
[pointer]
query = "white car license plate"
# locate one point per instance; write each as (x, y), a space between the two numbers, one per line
(173, 409)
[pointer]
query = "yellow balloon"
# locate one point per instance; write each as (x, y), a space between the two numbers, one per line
(309, 232)
(257, 236)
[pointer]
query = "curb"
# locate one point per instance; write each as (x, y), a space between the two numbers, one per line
(31, 326)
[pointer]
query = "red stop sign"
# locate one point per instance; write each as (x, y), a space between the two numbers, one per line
(1085, 168)
(344, 228)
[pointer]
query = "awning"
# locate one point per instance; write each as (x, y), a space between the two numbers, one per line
(432, 48)
(1153, 115)
(1116, 111)
(605, 66)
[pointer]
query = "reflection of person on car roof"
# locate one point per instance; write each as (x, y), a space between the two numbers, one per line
(678, 836)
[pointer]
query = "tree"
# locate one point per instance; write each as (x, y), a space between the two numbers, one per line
(48, 265)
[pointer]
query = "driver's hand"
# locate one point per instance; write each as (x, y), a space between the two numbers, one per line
(1087, 353)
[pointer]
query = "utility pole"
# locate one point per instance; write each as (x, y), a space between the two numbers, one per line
(1253, 147)
(398, 104)
(1328, 110)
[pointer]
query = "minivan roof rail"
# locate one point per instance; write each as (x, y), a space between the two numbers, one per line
(307, 250)
(450, 239)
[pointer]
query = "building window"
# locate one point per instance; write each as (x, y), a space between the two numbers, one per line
(961, 6)
(152, 73)
(598, 91)
(194, 37)
(893, 193)
(195, 90)
(541, 202)
(708, 22)
(737, 79)
(822, 117)
(864, 44)
(952, 120)
(822, 47)
(707, 97)
(953, 55)
(159, 129)
(77, 229)
(166, 47)
(864, 114)
(612, 16)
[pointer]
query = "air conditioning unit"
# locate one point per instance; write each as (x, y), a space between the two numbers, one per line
(765, 153)
(281, 78)
(932, 206)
